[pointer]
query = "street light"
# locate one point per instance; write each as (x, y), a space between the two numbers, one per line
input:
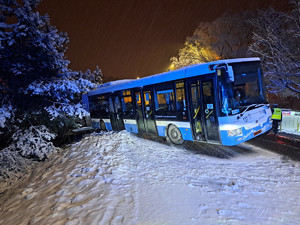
(171, 67)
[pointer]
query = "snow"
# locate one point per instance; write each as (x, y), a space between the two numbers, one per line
(14, 169)
(290, 131)
(118, 178)
(6, 112)
(63, 95)
(34, 142)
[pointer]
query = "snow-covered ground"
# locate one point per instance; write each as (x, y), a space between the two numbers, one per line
(118, 178)
(295, 132)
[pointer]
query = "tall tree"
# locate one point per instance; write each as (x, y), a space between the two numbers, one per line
(34, 72)
(193, 52)
(277, 42)
(31, 49)
(36, 85)
(226, 37)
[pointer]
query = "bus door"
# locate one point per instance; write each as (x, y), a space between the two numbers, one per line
(203, 110)
(196, 111)
(139, 112)
(115, 109)
(209, 110)
(149, 113)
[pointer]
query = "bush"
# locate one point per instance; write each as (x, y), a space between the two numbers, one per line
(13, 167)
(34, 142)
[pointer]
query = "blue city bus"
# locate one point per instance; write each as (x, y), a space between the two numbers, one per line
(221, 102)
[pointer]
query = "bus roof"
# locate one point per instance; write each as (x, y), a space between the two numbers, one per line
(185, 72)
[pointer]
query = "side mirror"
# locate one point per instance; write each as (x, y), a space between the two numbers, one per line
(229, 74)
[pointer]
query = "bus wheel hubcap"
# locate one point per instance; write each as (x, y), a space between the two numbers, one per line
(175, 135)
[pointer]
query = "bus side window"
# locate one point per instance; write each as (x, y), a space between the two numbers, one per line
(127, 105)
(103, 111)
(165, 103)
(97, 106)
(180, 101)
(93, 106)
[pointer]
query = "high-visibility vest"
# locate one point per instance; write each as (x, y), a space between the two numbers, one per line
(276, 114)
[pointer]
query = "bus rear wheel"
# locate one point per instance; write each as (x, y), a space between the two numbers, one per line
(174, 135)
(102, 125)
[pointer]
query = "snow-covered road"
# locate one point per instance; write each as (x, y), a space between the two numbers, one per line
(118, 178)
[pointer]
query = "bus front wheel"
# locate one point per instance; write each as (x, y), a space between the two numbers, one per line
(174, 135)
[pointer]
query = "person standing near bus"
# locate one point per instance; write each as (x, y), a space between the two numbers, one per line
(276, 117)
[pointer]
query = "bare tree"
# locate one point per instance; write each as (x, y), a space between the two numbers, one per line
(277, 42)
(228, 36)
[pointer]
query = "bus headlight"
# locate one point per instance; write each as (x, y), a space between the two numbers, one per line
(235, 132)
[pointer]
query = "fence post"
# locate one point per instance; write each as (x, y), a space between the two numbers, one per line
(280, 126)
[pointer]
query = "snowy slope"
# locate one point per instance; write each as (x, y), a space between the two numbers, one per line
(118, 178)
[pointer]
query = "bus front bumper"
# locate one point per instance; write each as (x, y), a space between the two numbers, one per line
(240, 135)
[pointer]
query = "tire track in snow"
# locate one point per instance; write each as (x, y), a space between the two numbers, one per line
(246, 177)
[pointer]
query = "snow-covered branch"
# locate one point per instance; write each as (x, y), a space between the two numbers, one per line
(73, 110)
(60, 90)
(34, 142)
(63, 96)
(276, 42)
(6, 112)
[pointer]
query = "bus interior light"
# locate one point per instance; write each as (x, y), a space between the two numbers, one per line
(235, 132)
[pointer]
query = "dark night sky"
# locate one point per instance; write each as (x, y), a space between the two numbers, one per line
(130, 38)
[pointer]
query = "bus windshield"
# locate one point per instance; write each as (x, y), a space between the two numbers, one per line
(247, 88)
